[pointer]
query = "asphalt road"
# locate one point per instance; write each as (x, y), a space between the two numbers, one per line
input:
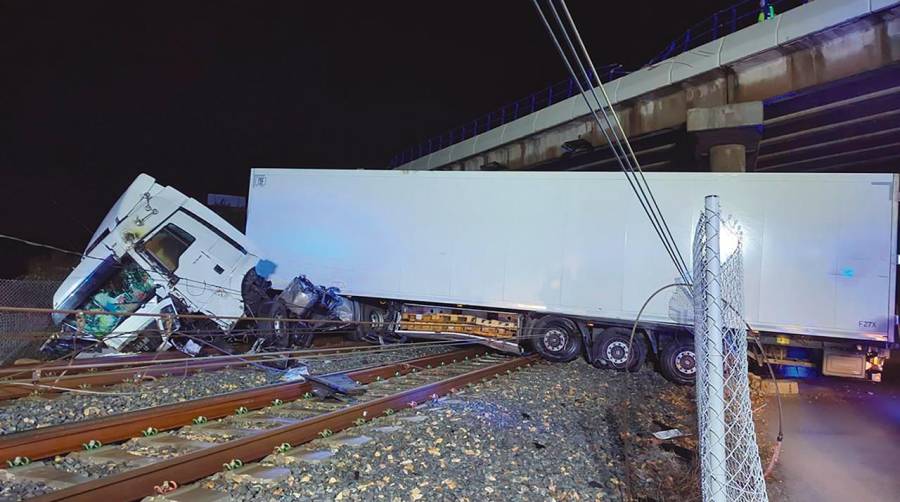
(842, 439)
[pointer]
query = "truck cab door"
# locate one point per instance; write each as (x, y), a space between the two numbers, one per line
(180, 249)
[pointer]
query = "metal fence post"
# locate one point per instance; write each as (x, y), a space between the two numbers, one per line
(714, 475)
(729, 456)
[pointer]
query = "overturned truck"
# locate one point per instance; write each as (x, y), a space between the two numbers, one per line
(160, 252)
(558, 263)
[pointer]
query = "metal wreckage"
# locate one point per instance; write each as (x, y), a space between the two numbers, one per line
(160, 252)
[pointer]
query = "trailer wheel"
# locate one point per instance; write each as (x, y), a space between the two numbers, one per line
(678, 362)
(619, 351)
(280, 332)
(556, 339)
(372, 322)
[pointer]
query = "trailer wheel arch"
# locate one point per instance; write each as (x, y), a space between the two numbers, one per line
(587, 340)
(556, 338)
(653, 341)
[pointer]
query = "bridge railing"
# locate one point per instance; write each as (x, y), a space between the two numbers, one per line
(718, 25)
(721, 23)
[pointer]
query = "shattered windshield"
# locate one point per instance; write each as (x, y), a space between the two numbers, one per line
(125, 291)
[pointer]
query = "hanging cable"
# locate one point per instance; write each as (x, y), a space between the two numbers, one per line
(638, 184)
(618, 129)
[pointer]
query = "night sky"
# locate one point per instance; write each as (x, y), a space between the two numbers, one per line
(195, 93)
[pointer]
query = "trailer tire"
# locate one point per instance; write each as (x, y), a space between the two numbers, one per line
(372, 322)
(556, 339)
(619, 351)
(279, 333)
(678, 362)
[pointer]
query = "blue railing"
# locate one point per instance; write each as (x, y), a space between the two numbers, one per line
(721, 23)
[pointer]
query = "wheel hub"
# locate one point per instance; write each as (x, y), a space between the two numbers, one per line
(617, 352)
(686, 362)
(555, 340)
(376, 320)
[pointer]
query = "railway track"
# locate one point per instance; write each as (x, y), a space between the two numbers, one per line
(55, 377)
(181, 443)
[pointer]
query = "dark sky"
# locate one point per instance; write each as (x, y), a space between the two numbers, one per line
(195, 93)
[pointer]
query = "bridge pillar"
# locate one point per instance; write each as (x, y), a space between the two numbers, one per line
(726, 138)
(728, 158)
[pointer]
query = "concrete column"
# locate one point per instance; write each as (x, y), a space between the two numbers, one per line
(728, 158)
(726, 138)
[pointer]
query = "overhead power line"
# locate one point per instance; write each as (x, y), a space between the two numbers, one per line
(609, 124)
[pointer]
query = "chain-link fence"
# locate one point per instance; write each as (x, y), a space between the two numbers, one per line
(21, 333)
(729, 456)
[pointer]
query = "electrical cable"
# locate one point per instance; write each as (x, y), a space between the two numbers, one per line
(618, 156)
(640, 190)
(752, 334)
(779, 440)
(618, 122)
(619, 150)
(150, 273)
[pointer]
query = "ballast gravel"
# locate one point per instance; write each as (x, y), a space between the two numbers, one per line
(549, 432)
(20, 489)
(37, 411)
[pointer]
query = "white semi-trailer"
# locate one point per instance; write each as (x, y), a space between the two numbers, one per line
(564, 261)
(560, 262)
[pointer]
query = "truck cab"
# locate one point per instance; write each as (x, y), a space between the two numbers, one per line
(156, 251)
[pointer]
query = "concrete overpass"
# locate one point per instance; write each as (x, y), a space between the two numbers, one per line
(815, 88)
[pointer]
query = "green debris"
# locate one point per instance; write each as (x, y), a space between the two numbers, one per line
(18, 462)
(233, 464)
(93, 444)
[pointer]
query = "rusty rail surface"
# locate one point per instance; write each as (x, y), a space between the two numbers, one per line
(57, 381)
(58, 376)
(138, 483)
(82, 365)
(64, 438)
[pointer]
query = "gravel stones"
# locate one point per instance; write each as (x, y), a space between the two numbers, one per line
(37, 411)
(387, 354)
(30, 412)
(19, 489)
(549, 432)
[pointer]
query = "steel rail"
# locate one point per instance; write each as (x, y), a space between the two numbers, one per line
(137, 483)
(130, 361)
(65, 438)
(82, 365)
(49, 383)
(57, 377)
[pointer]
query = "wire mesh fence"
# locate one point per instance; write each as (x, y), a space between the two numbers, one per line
(17, 329)
(729, 456)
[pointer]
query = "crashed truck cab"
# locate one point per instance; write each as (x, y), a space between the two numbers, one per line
(156, 251)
